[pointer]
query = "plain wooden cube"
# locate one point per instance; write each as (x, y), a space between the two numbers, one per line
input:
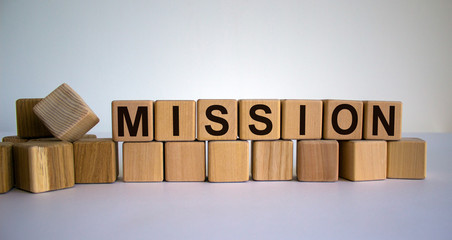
(217, 119)
(95, 160)
(14, 139)
(6, 167)
(43, 166)
(317, 160)
(272, 160)
(407, 158)
(28, 124)
(228, 161)
(185, 161)
(301, 119)
(142, 161)
(259, 119)
(65, 114)
(175, 120)
(86, 136)
(342, 119)
(382, 120)
(133, 120)
(361, 160)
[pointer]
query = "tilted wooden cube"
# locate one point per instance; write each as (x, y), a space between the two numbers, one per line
(382, 120)
(14, 139)
(175, 120)
(133, 120)
(318, 160)
(142, 161)
(6, 167)
(185, 161)
(228, 161)
(272, 160)
(65, 114)
(259, 119)
(342, 119)
(217, 119)
(28, 124)
(86, 136)
(407, 158)
(301, 119)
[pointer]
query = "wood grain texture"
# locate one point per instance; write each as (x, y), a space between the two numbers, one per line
(86, 136)
(228, 161)
(65, 114)
(392, 116)
(185, 161)
(247, 123)
(142, 161)
(272, 160)
(343, 120)
(6, 167)
(407, 158)
(28, 124)
(230, 116)
(318, 160)
(95, 160)
(165, 126)
(292, 113)
(14, 139)
(361, 160)
(141, 124)
(43, 166)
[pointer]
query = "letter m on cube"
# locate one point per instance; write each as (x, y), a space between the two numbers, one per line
(132, 120)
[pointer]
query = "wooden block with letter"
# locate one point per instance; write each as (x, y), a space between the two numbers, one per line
(95, 160)
(301, 119)
(185, 161)
(407, 158)
(342, 119)
(6, 167)
(217, 119)
(318, 160)
(175, 120)
(14, 139)
(65, 114)
(361, 160)
(142, 161)
(272, 160)
(259, 119)
(133, 120)
(43, 166)
(382, 120)
(228, 161)
(28, 124)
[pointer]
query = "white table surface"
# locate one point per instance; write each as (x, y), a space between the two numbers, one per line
(389, 209)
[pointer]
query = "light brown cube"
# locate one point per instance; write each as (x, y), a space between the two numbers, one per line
(217, 119)
(14, 139)
(185, 161)
(342, 119)
(175, 120)
(86, 136)
(142, 161)
(229, 161)
(28, 124)
(382, 120)
(6, 167)
(407, 158)
(301, 119)
(65, 114)
(133, 120)
(361, 160)
(259, 119)
(272, 160)
(318, 160)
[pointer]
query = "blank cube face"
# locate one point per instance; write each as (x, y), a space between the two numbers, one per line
(133, 120)
(301, 119)
(228, 161)
(407, 158)
(185, 161)
(175, 120)
(272, 160)
(143, 161)
(342, 120)
(382, 120)
(259, 119)
(6, 167)
(28, 124)
(362, 160)
(217, 119)
(318, 160)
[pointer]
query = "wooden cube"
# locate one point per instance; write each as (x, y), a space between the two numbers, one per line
(407, 158)
(133, 120)
(142, 161)
(301, 119)
(217, 119)
(382, 120)
(259, 119)
(28, 124)
(95, 160)
(228, 161)
(318, 160)
(43, 166)
(14, 139)
(86, 136)
(175, 120)
(65, 114)
(342, 119)
(6, 167)
(272, 160)
(185, 161)
(361, 160)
